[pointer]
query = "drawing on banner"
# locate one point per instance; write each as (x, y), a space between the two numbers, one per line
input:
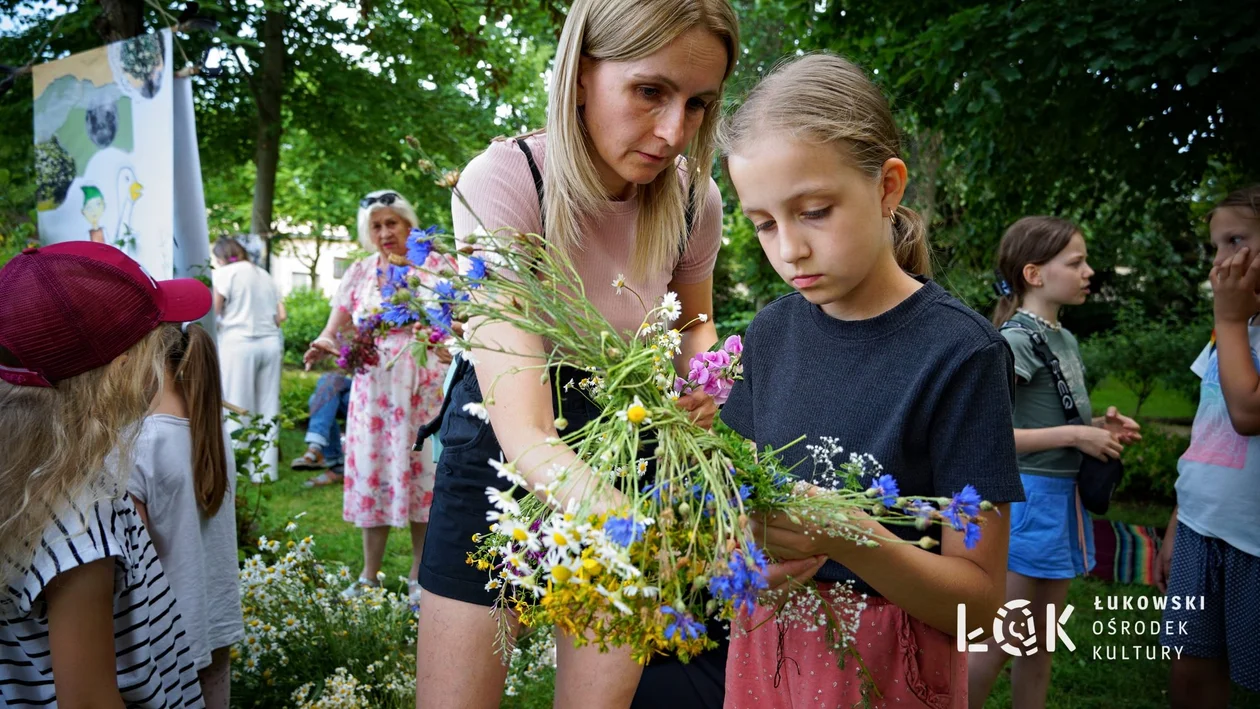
(104, 149)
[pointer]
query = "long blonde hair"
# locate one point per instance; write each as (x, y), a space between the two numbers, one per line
(625, 30)
(828, 100)
(60, 444)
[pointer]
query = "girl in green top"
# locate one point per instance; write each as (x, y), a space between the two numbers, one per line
(1042, 265)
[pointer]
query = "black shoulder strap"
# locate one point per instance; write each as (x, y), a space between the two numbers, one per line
(1041, 348)
(690, 214)
(538, 181)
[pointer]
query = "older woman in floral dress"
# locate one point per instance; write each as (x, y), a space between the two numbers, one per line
(387, 484)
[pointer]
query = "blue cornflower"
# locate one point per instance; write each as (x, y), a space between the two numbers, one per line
(745, 577)
(398, 315)
(623, 531)
(919, 508)
(440, 316)
(476, 270)
(682, 625)
(420, 245)
(656, 490)
(447, 293)
(967, 502)
(885, 488)
(971, 536)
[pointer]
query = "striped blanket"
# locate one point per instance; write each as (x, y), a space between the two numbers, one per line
(1125, 553)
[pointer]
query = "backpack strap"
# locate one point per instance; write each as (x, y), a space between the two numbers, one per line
(1041, 348)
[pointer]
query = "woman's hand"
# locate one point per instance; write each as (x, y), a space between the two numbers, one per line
(322, 347)
(701, 406)
(1122, 427)
(1097, 442)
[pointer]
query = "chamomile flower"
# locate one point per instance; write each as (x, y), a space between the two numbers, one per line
(507, 471)
(636, 414)
(670, 308)
(520, 534)
(560, 535)
(619, 283)
(503, 500)
(563, 570)
(614, 597)
(459, 346)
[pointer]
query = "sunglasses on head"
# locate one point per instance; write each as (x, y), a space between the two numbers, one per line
(386, 199)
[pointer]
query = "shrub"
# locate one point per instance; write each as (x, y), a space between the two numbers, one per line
(1143, 352)
(308, 313)
(306, 646)
(296, 387)
(1150, 466)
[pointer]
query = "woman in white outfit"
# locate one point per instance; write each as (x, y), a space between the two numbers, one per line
(251, 346)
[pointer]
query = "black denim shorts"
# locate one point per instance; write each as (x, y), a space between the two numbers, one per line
(459, 511)
(459, 492)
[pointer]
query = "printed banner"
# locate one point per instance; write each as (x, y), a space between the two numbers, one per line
(105, 150)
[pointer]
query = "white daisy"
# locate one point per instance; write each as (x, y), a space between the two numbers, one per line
(636, 414)
(619, 283)
(503, 500)
(614, 597)
(507, 471)
(478, 410)
(670, 308)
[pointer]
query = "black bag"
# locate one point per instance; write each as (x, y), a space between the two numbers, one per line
(1097, 479)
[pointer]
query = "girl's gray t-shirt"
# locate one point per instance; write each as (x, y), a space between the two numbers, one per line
(198, 553)
(1036, 395)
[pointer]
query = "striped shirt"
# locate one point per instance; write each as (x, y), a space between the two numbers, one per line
(151, 653)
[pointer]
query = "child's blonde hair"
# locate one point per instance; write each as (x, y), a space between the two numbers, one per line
(828, 100)
(625, 30)
(63, 442)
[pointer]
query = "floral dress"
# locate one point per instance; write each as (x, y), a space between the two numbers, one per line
(386, 482)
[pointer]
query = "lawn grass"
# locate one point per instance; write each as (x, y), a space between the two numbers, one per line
(1162, 403)
(1078, 681)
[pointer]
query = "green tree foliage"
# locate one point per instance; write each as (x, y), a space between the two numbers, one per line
(1116, 114)
(1143, 352)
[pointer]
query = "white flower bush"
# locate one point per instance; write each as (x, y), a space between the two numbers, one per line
(306, 646)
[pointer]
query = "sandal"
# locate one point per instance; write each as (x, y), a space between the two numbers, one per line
(327, 477)
(312, 459)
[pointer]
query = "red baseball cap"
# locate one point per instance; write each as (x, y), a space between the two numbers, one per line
(69, 308)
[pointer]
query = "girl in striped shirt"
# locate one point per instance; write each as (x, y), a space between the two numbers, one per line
(86, 615)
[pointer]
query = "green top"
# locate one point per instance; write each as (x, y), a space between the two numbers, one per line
(1036, 400)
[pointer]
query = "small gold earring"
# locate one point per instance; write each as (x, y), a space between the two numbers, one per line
(892, 217)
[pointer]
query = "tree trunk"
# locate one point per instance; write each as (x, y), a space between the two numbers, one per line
(119, 19)
(267, 150)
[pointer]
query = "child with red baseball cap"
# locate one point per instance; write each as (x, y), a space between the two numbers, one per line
(86, 614)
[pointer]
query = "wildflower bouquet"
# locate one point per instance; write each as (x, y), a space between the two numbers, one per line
(658, 540)
(307, 646)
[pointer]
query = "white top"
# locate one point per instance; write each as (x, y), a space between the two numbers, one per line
(251, 300)
(154, 662)
(1218, 482)
(198, 554)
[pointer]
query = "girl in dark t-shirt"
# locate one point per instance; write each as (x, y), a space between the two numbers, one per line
(867, 357)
